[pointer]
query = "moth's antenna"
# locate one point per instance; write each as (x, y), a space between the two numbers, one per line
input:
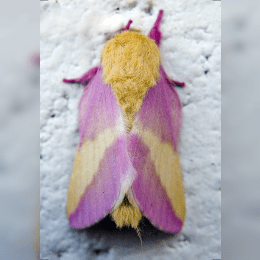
(128, 25)
(155, 33)
(139, 235)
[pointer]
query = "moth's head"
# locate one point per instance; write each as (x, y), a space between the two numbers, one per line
(130, 62)
(132, 55)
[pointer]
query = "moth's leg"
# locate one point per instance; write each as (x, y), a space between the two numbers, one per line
(84, 79)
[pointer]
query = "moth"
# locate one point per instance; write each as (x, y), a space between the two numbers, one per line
(127, 162)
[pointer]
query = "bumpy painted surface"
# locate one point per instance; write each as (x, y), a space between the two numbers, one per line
(190, 45)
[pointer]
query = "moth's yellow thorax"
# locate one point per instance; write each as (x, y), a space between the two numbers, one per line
(130, 64)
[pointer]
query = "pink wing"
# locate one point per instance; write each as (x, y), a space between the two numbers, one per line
(158, 188)
(101, 162)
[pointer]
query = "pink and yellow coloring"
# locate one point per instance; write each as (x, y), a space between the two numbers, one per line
(127, 162)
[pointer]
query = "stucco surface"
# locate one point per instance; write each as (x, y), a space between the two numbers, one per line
(73, 34)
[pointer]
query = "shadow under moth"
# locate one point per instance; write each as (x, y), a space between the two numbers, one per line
(127, 162)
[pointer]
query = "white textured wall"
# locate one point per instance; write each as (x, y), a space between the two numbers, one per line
(191, 52)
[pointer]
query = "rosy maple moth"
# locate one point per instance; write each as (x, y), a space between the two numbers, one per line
(127, 162)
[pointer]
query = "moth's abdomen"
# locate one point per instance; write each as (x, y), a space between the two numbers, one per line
(127, 214)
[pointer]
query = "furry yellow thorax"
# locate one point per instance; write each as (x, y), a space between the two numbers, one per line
(130, 64)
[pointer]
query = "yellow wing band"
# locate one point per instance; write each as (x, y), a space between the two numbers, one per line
(167, 164)
(85, 166)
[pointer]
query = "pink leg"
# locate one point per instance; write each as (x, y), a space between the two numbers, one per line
(84, 79)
